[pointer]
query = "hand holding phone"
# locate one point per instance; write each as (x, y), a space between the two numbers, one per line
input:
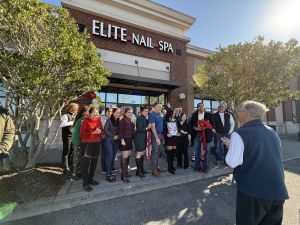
(225, 141)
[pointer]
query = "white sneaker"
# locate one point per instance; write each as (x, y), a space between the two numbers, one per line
(193, 157)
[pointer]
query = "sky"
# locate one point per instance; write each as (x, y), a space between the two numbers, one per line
(224, 22)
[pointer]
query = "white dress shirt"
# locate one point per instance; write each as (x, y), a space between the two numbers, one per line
(201, 116)
(235, 153)
(232, 123)
(64, 121)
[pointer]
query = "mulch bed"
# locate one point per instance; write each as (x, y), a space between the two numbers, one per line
(25, 186)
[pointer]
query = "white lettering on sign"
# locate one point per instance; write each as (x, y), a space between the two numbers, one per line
(165, 46)
(140, 40)
(95, 27)
(123, 34)
(116, 32)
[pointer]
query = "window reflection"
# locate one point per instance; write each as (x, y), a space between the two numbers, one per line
(101, 95)
(209, 105)
(111, 97)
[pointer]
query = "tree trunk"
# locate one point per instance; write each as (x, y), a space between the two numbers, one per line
(41, 146)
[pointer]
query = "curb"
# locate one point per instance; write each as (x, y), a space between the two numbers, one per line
(290, 158)
(48, 205)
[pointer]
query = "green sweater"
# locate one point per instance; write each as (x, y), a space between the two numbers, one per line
(7, 131)
(76, 139)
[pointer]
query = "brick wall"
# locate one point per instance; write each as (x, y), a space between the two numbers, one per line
(271, 116)
(287, 111)
(178, 63)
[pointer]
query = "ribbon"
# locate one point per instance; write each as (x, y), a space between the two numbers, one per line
(148, 144)
(203, 124)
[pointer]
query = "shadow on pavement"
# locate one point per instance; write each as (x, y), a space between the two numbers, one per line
(293, 166)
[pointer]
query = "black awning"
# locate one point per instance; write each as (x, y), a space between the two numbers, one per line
(143, 81)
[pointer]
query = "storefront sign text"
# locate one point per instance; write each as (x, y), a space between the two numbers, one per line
(111, 31)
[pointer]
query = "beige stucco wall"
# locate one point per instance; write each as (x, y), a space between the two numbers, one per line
(193, 62)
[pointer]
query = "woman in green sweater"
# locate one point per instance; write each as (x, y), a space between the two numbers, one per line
(76, 140)
(140, 141)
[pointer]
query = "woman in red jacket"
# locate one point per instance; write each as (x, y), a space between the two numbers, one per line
(91, 131)
(126, 134)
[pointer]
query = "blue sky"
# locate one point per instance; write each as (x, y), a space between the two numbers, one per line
(223, 22)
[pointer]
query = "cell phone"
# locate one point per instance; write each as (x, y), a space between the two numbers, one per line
(225, 140)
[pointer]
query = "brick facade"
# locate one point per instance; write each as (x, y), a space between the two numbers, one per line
(178, 63)
(271, 116)
(287, 111)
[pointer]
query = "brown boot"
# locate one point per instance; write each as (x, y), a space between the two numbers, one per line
(155, 173)
(158, 169)
(124, 166)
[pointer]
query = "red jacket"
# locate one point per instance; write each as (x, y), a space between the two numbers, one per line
(87, 127)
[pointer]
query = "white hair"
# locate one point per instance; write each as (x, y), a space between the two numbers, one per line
(255, 109)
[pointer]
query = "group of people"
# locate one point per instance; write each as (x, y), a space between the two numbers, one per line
(85, 133)
(254, 149)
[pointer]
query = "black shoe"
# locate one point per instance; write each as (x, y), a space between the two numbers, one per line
(111, 178)
(172, 172)
(93, 182)
(140, 174)
(144, 171)
(125, 179)
(87, 188)
(114, 169)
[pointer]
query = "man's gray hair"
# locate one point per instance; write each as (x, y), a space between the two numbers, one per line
(255, 109)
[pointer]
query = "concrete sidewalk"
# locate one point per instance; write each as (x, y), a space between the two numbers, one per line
(72, 195)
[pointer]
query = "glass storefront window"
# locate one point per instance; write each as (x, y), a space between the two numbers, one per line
(214, 104)
(2, 96)
(295, 115)
(101, 95)
(153, 100)
(196, 102)
(207, 104)
(131, 99)
(145, 100)
(111, 97)
(161, 99)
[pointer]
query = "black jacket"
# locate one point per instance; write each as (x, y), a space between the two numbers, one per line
(194, 123)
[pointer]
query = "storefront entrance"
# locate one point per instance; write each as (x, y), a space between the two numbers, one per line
(134, 98)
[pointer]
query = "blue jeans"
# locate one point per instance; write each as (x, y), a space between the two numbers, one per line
(197, 149)
(111, 149)
(221, 149)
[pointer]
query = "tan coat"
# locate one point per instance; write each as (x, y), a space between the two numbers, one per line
(7, 131)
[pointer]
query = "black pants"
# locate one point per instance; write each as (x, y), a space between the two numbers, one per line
(89, 161)
(103, 155)
(182, 149)
(253, 211)
(67, 153)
